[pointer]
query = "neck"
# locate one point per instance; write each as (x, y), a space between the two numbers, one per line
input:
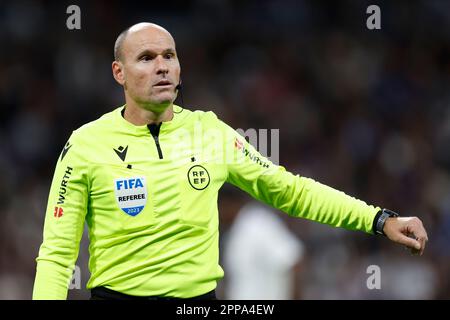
(139, 116)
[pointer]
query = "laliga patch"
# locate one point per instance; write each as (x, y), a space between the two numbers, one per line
(131, 194)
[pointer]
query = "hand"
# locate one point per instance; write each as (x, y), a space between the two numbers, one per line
(408, 231)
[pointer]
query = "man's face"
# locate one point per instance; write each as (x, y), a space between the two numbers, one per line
(150, 66)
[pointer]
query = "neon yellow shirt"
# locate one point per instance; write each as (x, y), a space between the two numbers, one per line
(150, 201)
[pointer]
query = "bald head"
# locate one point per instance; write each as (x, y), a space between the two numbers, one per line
(151, 27)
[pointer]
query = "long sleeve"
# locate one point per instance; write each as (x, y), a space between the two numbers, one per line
(297, 196)
(64, 221)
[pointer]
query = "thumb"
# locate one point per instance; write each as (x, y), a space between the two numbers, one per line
(409, 242)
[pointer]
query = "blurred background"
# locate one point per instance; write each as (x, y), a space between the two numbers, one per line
(364, 111)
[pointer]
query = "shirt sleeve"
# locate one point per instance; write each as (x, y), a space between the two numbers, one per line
(295, 195)
(64, 221)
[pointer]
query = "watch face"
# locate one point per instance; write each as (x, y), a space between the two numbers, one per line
(390, 213)
(379, 225)
(381, 221)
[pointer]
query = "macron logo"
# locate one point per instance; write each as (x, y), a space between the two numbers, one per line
(121, 152)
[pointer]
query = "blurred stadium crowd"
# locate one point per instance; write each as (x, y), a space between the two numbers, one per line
(364, 111)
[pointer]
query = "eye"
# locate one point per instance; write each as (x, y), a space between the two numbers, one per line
(169, 55)
(145, 57)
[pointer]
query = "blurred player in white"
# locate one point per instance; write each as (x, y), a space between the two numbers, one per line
(262, 256)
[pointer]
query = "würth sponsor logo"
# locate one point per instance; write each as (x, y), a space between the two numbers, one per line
(65, 150)
(238, 144)
(63, 186)
(58, 212)
(258, 160)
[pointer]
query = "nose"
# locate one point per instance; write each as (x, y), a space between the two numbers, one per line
(161, 65)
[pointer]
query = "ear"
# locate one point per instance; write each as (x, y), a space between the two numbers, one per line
(118, 72)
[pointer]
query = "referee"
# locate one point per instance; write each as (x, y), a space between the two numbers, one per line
(145, 177)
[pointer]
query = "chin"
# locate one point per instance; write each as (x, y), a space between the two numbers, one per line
(159, 105)
(163, 100)
(163, 103)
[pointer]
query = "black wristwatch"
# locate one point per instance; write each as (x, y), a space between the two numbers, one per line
(380, 220)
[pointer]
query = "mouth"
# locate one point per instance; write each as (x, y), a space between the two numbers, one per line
(163, 84)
